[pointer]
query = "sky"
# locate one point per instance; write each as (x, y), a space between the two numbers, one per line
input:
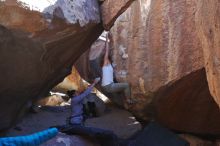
(38, 5)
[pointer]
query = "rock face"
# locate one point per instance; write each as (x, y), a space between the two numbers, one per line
(156, 48)
(111, 9)
(71, 82)
(156, 44)
(208, 30)
(37, 50)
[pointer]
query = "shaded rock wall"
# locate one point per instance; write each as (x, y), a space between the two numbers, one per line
(82, 66)
(89, 62)
(37, 51)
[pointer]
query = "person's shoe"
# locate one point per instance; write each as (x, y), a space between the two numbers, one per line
(30, 140)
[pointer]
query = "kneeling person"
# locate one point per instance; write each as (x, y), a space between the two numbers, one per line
(76, 123)
(77, 104)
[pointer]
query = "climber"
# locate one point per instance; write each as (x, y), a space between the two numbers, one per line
(77, 103)
(107, 77)
(76, 122)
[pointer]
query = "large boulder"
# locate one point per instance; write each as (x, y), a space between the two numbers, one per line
(38, 48)
(187, 105)
(156, 48)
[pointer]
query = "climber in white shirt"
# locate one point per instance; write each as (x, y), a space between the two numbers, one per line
(107, 77)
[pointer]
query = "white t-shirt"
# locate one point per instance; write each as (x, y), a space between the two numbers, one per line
(107, 75)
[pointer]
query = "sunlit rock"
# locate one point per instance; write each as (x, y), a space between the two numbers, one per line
(208, 28)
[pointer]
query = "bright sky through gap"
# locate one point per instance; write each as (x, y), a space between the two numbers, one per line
(38, 5)
(74, 11)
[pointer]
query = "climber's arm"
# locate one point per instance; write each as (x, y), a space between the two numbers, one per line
(106, 59)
